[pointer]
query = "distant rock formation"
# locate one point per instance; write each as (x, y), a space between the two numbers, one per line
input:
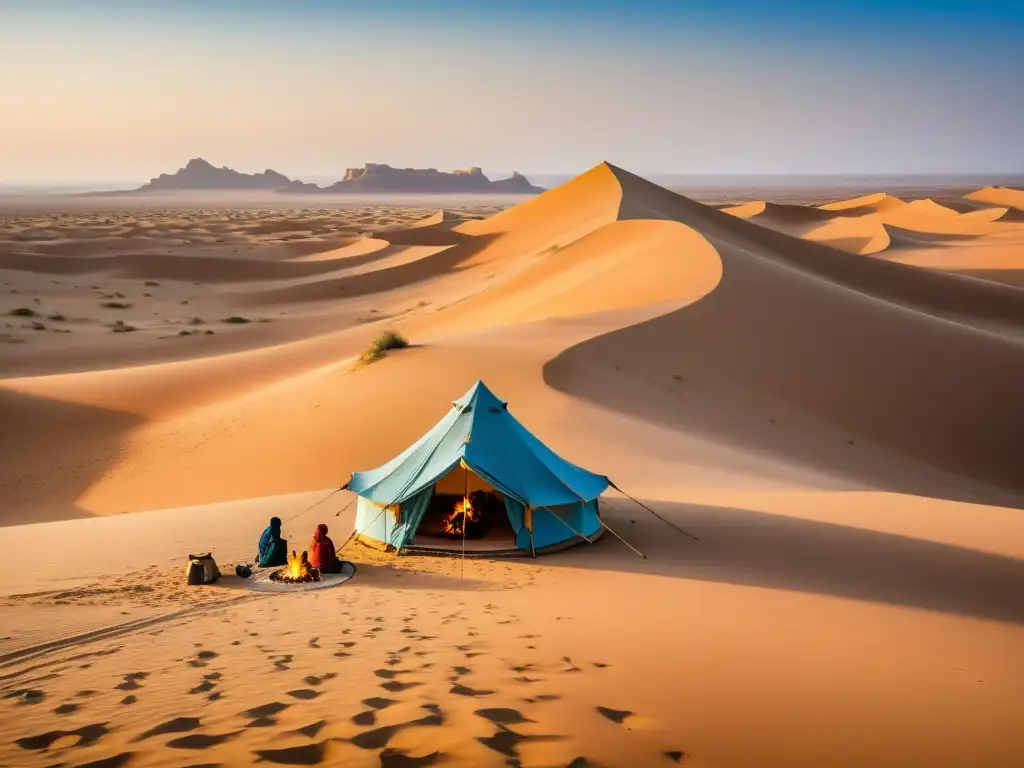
(199, 174)
(377, 177)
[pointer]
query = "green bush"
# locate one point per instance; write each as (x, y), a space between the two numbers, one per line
(387, 340)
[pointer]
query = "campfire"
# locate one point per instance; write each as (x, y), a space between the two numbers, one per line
(456, 521)
(298, 571)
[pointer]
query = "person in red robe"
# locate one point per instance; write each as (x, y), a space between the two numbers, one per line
(321, 552)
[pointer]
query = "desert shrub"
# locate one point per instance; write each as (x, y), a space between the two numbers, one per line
(23, 312)
(115, 305)
(390, 340)
(57, 317)
(122, 327)
(237, 320)
(196, 321)
(151, 283)
(37, 326)
(380, 346)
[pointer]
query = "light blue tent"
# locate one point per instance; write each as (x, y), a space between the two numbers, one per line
(549, 503)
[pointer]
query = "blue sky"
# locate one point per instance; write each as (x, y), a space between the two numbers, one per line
(125, 90)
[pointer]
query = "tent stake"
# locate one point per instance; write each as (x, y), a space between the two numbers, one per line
(613, 533)
(640, 503)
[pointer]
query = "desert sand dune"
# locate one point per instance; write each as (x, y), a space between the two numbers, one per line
(839, 431)
(999, 196)
(860, 206)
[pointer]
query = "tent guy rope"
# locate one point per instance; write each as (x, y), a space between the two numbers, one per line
(640, 503)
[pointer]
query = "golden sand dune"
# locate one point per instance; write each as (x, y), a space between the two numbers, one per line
(859, 206)
(840, 432)
(611, 241)
(999, 196)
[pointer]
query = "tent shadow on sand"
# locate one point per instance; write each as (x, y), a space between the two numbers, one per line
(757, 549)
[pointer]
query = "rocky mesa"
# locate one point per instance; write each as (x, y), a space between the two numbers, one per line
(200, 175)
(379, 177)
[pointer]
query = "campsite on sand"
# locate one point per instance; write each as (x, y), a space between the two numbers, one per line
(820, 404)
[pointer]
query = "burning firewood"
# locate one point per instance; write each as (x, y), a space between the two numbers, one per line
(298, 571)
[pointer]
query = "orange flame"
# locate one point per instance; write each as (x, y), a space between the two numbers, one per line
(295, 569)
(455, 521)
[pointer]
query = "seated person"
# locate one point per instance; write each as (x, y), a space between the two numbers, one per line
(321, 552)
(272, 549)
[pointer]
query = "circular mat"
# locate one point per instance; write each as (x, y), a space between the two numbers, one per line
(260, 580)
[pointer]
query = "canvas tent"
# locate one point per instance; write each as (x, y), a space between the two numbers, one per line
(547, 502)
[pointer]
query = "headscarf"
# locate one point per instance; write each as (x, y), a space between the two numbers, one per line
(270, 534)
(322, 550)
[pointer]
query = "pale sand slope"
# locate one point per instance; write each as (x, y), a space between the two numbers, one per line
(795, 407)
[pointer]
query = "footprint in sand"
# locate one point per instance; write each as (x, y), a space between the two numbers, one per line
(203, 687)
(201, 740)
(389, 674)
(342, 654)
(600, 664)
(317, 680)
(675, 755)
(65, 709)
(397, 686)
(348, 644)
(129, 699)
(263, 715)
(87, 736)
(177, 725)
(26, 696)
(462, 690)
(307, 754)
(543, 697)
(503, 716)
(615, 715)
(369, 717)
(379, 737)
(506, 741)
(461, 670)
(393, 758)
(310, 731)
(304, 694)
(376, 702)
(114, 761)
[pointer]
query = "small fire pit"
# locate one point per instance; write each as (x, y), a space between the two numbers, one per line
(466, 519)
(298, 571)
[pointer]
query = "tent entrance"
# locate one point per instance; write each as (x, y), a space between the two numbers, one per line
(486, 523)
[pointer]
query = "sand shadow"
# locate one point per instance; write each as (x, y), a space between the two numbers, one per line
(51, 453)
(757, 549)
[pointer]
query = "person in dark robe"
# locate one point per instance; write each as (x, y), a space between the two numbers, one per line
(272, 549)
(321, 552)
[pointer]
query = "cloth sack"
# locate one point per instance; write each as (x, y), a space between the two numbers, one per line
(202, 569)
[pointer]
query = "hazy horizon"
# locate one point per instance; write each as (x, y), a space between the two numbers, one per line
(118, 93)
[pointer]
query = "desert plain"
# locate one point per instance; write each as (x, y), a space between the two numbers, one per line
(828, 395)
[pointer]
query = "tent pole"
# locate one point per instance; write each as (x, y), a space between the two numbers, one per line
(640, 503)
(613, 533)
(465, 518)
(528, 512)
